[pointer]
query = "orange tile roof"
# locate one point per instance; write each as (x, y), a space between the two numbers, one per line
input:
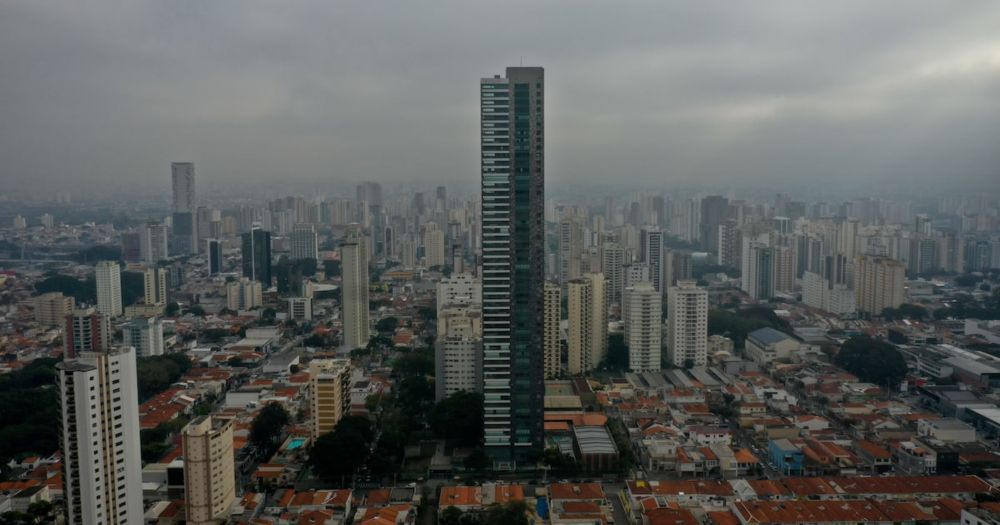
(576, 491)
(667, 516)
(459, 496)
(507, 493)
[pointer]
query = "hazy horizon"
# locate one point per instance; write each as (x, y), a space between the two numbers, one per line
(802, 95)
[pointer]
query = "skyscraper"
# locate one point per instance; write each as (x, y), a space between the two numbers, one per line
(153, 242)
(145, 334)
(552, 338)
(641, 313)
(570, 250)
(185, 229)
(714, 210)
(214, 249)
(434, 254)
(304, 244)
(513, 241)
(757, 277)
(108, 276)
(256, 251)
(99, 401)
(687, 324)
(209, 470)
(354, 306)
(651, 253)
(613, 267)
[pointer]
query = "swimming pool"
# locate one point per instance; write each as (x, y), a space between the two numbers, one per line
(296, 443)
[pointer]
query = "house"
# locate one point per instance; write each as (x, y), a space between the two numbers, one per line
(786, 457)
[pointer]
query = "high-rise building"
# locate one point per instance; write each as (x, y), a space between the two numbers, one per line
(513, 263)
(154, 286)
(553, 339)
(729, 247)
(304, 243)
(641, 312)
(102, 468)
(651, 253)
(108, 276)
(458, 351)
(434, 253)
(687, 324)
(570, 250)
(757, 278)
(185, 229)
(209, 470)
(878, 284)
(244, 294)
(459, 289)
(145, 334)
(587, 341)
(330, 388)
(354, 304)
(214, 250)
(52, 308)
(153, 238)
(613, 268)
(132, 246)
(256, 254)
(714, 210)
(678, 267)
(87, 330)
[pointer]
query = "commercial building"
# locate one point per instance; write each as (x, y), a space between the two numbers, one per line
(513, 263)
(184, 218)
(354, 304)
(256, 255)
(304, 242)
(108, 277)
(300, 308)
(209, 471)
(687, 324)
(330, 390)
(215, 261)
(102, 479)
(641, 313)
(767, 344)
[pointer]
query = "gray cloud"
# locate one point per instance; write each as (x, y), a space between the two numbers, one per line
(652, 93)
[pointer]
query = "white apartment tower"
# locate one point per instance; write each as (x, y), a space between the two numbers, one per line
(102, 467)
(108, 276)
(552, 338)
(641, 313)
(145, 335)
(354, 306)
(687, 324)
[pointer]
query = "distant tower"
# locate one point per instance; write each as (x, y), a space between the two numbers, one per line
(354, 264)
(185, 229)
(651, 246)
(304, 243)
(214, 249)
(588, 324)
(154, 286)
(153, 239)
(687, 324)
(102, 468)
(87, 330)
(108, 276)
(256, 251)
(878, 284)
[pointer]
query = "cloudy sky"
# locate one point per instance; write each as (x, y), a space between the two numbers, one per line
(651, 94)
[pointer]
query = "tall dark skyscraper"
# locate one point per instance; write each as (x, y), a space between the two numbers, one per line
(714, 210)
(185, 233)
(214, 249)
(513, 259)
(256, 252)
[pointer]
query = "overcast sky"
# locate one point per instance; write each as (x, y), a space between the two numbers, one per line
(653, 94)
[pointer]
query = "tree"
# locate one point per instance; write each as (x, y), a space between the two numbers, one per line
(342, 451)
(477, 460)
(172, 309)
(967, 280)
(268, 425)
(414, 363)
(459, 418)
(156, 373)
(331, 269)
(872, 360)
(736, 325)
(42, 511)
(196, 310)
(387, 325)
(450, 516)
(513, 513)
(82, 291)
(617, 359)
(905, 311)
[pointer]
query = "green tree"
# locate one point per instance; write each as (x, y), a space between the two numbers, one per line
(387, 325)
(82, 291)
(266, 428)
(737, 324)
(905, 311)
(331, 269)
(872, 360)
(156, 373)
(414, 363)
(450, 516)
(172, 309)
(513, 513)
(338, 454)
(477, 460)
(459, 418)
